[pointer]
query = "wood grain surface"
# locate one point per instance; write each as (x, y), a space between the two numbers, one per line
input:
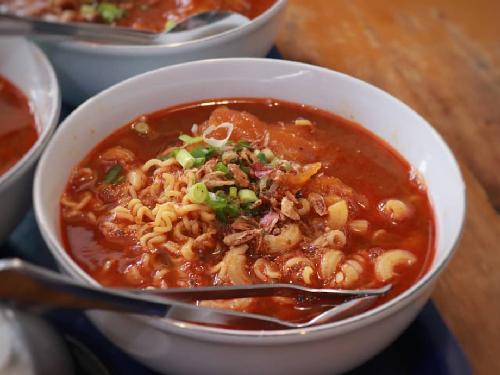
(442, 57)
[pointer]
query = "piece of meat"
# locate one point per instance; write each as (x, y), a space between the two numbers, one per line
(318, 203)
(240, 177)
(216, 179)
(239, 238)
(288, 209)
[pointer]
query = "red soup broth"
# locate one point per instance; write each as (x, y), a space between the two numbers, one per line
(17, 125)
(139, 14)
(355, 165)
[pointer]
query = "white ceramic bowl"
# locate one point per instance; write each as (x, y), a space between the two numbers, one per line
(84, 69)
(174, 347)
(23, 64)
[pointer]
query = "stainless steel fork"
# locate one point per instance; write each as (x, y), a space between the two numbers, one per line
(25, 285)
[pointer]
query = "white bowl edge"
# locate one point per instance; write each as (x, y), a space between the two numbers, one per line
(190, 329)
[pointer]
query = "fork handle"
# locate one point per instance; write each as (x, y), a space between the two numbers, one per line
(30, 287)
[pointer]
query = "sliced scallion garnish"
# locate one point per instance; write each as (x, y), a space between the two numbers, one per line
(110, 12)
(200, 151)
(184, 158)
(141, 127)
(188, 140)
(113, 174)
(198, 162)
(198, 193)
(247, 196)
(262, 157)
(233, 192)
(221, 167)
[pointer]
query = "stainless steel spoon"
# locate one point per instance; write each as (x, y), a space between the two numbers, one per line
(194, 27)
(29, 286)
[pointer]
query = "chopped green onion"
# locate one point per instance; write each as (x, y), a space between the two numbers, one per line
(141, 127)
(221, 167)
(247, 196)
(88, 9)
(240, 145)
(184, 158)
(268, 154)
(275, 162)
(200, 151)
(233, 192)
(198, 162)
(188, 140)
(232, 210)
(222, 207)
(287, 165)
(113, 174)
(262, 157)
(216, 201)
(221, 215)
(198, 193)
(171, 154)
(170, 24)
(109, 12)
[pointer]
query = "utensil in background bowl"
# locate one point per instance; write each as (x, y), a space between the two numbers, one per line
(171, 346)
(197, 26)
(24, 64)
(85, 68)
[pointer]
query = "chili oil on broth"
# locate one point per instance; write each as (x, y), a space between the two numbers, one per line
(17, 125)
(363, 170)
(155, 16)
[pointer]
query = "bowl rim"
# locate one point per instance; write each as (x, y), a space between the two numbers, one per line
(213, 333)
(181, 47)
(44, 133)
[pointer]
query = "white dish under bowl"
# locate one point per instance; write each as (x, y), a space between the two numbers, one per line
(84, 69)
(23, 64)
(175, 347)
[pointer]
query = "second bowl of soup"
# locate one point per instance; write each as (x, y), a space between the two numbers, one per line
(86, 68)
(29, 110)
(251, 171)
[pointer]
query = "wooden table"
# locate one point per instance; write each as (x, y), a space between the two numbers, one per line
(442, 57)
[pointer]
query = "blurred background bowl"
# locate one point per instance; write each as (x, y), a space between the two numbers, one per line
(171, 346)
(84, 69)
(25, 65)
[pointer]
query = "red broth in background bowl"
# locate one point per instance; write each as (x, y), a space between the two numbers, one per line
(17, 125)
(29, 110)
(147, 15)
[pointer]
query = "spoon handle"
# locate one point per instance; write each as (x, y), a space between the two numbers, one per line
(16, 25)
(27, 286)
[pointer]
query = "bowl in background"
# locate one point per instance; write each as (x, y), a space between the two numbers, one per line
(170, 346)
(25, 65)
(84, 69)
